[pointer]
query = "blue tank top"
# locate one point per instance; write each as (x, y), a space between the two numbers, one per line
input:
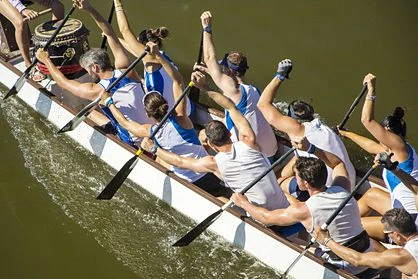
(248, 107)
(127, 95)
(401, 196)
(160, 81)
(184, 142)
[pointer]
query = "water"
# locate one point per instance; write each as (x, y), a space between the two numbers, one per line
(53, 226)
(133, 233)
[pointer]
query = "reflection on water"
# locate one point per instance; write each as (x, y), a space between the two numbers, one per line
(134, 226)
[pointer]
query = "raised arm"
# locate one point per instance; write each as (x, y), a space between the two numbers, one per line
(138, 129)
(204, 164)
(226, 83)
(391, 140)
(122, 60)
(181, 109)
(134, 46)
(87, 90)
(245, 132)
(281, 122)
(339, 172)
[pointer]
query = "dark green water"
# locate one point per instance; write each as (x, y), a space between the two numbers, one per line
(52, 227)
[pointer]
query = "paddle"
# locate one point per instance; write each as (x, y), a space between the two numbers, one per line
(352, 107)
(91, 106)
(332, 217)
(202, 226)
(194, 91)
(22, 79)
(113, 186)
(109, 20)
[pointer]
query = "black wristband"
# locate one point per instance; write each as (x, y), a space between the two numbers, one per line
(208, 29)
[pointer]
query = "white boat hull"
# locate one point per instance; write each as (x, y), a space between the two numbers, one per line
(188, 199)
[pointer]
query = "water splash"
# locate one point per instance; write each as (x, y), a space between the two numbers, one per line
(134, 226)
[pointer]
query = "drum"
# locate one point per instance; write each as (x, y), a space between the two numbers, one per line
(66, 49)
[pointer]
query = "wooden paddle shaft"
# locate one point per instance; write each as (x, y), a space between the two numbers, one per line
(39, 14)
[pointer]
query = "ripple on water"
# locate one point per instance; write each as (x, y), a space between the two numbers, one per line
(135, 226)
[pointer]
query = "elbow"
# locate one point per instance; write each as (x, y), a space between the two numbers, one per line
(261, 105)
(356, 260)
(124, 30)
(365, 120)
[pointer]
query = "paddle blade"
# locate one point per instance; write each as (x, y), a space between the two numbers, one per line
(71, 125)
(79, 117)
(114, 185)
(16, 87)
(198, 230)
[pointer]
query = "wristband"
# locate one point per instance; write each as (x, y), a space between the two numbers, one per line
(326, 240)
(153, 149)
(370, 97)
(311, 149)
(208, 29)
(108, 101)
(280, 76)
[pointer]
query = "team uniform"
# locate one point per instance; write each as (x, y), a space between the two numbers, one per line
(346, 229)
(322, 136)
(127, 96)
(242, 165)
(400, 195)
(18, 5)
(185, 142)
(412, 247)
(248, 107)
(160, 81)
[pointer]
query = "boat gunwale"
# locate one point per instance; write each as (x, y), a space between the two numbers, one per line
(212, 111)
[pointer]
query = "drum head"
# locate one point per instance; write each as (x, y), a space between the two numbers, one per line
(73, 29)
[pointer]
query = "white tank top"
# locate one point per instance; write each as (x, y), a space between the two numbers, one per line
(160, 81)
(401, 196)
(248, 107)
(242, 165)
(174, 138)
(412, 247)
(324, 138)
(127, 96)
(346, 224)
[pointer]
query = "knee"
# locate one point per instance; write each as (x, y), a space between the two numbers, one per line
(18, 23)
(372, 194)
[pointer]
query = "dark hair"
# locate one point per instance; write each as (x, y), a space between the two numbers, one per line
(155, 105)
(312, 170)
(300, 110)
(153, 35)
(395, 122)
(398, 219)
(217, 133)
(236, 62)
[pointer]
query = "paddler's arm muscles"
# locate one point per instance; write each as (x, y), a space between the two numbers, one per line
(139, 130)
(204, 164)
(245, 132)
(228, 86)
(390, 258)
(87, 90)
(274, 117)
(129, 39)
(367, 144)
(122, 60)
(293, 214)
